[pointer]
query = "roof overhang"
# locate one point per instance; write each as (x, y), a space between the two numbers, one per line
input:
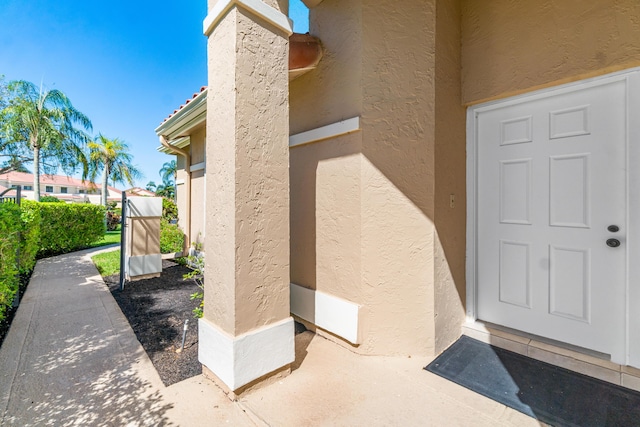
(305, 52)
(176, 128)
(178, 143)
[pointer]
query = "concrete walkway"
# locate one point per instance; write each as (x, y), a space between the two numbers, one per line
(71, 358)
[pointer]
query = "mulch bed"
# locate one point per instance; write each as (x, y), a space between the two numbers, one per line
(5, 324)
(156, 309)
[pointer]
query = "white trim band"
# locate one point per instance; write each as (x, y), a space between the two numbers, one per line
(331, 313)
(325, 132)
(237, 361)
(256, 7)
(196, 167)
(179, 181)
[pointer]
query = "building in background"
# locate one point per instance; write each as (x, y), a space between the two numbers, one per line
(138, 191)
(68, 189)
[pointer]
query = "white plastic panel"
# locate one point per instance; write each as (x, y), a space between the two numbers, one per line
(144, 206)
(569, 287)
(515, 273)
(569, 191)
(329, 312)
(144, 264)
(516, 131)
(569, 122)
(515, 191)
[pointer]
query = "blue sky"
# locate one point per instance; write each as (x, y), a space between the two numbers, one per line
(125, 64)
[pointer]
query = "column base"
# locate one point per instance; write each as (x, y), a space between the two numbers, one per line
(238, 361)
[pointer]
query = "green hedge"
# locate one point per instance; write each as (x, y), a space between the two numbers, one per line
(30, 244)
(10, 225)
(41, 229)
(66, 227)
(169, 209)
(171, 238)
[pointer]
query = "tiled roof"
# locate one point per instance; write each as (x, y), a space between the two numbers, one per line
(202, 88)
(44, 179)
(27, 178)
(137, 191)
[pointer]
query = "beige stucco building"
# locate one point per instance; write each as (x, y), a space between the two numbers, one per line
(68, 189)
(352, 193)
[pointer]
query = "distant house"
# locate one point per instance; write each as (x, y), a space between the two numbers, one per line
(71, 190)
(138, 191)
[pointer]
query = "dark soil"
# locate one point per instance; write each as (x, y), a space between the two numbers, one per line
(156, 310)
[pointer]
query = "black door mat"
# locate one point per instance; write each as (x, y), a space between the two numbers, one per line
(546, 392)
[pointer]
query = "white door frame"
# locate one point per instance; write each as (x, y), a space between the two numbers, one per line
(632, 286)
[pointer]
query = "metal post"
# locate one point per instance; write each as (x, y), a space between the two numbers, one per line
(123, 235)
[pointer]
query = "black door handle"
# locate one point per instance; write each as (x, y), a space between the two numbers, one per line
(613, 243)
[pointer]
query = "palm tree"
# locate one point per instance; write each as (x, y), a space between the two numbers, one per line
(43, 122)
(111, 158)
(168, 172)
(151, 186)
(166, 189)
(13, 164)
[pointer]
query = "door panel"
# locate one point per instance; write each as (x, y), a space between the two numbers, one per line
(550, 179)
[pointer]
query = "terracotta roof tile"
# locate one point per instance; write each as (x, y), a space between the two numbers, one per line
(21, 177)
(202, 88)
(138, 191)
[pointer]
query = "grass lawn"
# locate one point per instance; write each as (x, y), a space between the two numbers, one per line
(109, 238)
(108, 263)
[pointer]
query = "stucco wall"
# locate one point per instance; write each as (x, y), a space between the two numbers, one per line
(325, 177)
(197, 145)
(450, 178)
(510, 47)
(398, 176)
(197, 152)
(197, 207)
(325, 216)
(333, 91)
(181, 197)
(364, 207)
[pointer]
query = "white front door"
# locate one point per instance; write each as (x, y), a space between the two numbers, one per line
(551, 207)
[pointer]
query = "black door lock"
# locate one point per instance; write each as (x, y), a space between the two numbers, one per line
(613, 243)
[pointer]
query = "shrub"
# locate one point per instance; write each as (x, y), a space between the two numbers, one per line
(66, 227)
(30, 244)
(10, 226)
(169, 210)
(50, 199)
(196, 263)
(171, 237)
(113, 221)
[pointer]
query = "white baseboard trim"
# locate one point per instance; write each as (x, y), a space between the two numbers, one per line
(237, 361)
(336, 315)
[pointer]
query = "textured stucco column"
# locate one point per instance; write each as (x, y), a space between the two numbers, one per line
(246, 332)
